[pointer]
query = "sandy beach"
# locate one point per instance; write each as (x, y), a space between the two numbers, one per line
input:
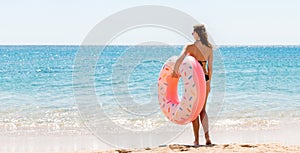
(224, 148)
(278, 139)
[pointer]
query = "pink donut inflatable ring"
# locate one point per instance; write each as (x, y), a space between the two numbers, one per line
(189, 107)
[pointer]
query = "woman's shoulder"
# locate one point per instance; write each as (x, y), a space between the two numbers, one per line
(207, 48)
(189, 45)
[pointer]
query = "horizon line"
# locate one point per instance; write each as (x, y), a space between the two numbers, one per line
(236, 45)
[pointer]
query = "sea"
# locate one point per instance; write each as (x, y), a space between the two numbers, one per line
(72, 90)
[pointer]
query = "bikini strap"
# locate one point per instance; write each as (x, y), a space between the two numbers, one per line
(200, 52)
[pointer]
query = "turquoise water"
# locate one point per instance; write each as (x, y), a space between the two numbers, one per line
(36, 86)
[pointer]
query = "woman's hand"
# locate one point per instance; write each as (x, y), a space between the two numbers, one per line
(174, 74)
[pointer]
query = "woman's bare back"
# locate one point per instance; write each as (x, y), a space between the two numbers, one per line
(199, 52)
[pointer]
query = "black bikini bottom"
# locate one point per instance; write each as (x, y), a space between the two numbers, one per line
(206, 77)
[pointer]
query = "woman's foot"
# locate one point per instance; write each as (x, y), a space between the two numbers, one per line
(196, 143)
(208, 142)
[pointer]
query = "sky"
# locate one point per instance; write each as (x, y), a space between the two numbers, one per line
(229, 22)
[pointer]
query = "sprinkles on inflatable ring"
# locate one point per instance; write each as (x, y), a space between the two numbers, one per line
(188, 108)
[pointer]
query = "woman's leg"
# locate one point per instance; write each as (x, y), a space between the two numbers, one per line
(196, 130)
(204, 120)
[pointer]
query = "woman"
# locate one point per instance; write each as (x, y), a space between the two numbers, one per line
(201, 50)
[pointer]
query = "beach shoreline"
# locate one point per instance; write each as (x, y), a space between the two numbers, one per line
(224, 141)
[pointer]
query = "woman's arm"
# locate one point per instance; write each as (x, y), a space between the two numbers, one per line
(179, 61)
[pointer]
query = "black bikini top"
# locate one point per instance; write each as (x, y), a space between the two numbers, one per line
(202, 63)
